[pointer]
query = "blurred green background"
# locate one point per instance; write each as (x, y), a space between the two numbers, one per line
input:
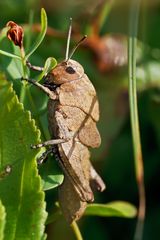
(114, 159)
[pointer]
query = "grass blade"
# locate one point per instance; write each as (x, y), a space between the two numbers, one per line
(134, 117)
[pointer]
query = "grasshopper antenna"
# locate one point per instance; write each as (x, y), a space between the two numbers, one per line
(68, 39)
(77, 45)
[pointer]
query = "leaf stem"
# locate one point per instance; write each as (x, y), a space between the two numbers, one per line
(24, 68)
(76, 230)
(134, 117)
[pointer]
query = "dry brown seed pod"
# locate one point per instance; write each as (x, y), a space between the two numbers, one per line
(73, 112)
(15, 33)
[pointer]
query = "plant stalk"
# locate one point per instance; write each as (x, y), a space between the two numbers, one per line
(139, 169)
(76, 230)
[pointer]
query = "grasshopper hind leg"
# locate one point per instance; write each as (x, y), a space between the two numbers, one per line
(96, 181)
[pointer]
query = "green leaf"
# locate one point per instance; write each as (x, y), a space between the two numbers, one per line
(41, 35)
(20, 190)
(44, 237)
(112, 209)
(2, 220)
(51, 175)
(48, 66)
(3, 33)
(14, 68)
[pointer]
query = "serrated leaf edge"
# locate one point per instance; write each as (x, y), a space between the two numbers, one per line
(2, 220)
(37, 131)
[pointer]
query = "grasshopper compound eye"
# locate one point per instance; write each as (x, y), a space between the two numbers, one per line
(70, 70)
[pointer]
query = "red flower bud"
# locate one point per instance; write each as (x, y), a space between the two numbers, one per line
(15, 33)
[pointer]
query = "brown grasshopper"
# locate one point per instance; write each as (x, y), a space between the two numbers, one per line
(73, 112)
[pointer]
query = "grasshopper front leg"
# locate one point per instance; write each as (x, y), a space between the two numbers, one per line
(51, 94)
(34, 68)
(49, 143)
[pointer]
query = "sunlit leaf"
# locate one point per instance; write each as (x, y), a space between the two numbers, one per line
(112, 209)
(49, 65)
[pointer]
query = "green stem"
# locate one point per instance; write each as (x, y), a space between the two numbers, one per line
(134, 117)
(22, 93)
(24, 68)
(23, 62)
(35, 110)
(76, 230)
